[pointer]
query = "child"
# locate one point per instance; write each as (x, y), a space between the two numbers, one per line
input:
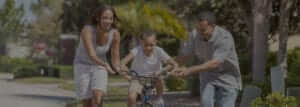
(147, 60)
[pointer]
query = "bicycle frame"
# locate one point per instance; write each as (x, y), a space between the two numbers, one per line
(148, 88)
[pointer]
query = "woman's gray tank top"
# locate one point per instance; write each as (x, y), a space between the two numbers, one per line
(82, 57)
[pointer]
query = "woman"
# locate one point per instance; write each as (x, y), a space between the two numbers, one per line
(90, 64)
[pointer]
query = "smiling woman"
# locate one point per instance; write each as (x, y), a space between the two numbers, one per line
(90, 63)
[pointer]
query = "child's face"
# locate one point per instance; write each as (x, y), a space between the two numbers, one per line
(149, 43)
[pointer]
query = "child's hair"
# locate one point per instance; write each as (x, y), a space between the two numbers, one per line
(148, 33)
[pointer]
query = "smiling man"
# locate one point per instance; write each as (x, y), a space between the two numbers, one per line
(217, 63)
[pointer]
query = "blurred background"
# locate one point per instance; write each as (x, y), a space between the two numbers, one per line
(38, 39)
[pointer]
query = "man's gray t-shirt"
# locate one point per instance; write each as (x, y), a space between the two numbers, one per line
(147, 65)
(220, 47)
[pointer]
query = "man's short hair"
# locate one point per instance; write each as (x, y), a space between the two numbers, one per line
(210, 17)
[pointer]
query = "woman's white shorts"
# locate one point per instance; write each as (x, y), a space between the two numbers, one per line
(88, 78)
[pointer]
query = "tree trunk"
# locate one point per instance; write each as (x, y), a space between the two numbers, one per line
(285, 11)
(261, 27)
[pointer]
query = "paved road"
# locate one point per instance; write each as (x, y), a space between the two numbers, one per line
(14, 94)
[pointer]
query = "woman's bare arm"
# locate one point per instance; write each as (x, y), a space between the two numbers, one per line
(86, 36)
(115, 51)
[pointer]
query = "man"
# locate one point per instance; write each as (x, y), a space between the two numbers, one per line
(217, 63)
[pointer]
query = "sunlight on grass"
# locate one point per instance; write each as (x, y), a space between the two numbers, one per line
(116, 78)
(40, 80)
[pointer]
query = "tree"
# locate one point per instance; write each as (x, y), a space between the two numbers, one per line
(10, 20)
(77, 13)
(287, 8)
(134, 19)
(261, 10)
(47, 27)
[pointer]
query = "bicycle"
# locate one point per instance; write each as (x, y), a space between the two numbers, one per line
(146, 97)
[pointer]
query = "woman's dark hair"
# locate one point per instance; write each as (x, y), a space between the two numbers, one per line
(98, 13)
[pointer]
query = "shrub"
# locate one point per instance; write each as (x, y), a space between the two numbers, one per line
(25, 71)
(194, 85)
(65, 71)
(293, 68)
(4, 64)
(175, 83)
(8, 64)
(275, 100)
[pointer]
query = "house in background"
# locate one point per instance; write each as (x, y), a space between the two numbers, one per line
(17, 48)
(21, 48)
(293, 42)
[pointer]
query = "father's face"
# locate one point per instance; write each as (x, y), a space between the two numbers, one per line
(203, 28)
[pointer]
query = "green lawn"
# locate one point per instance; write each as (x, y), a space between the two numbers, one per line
(40, 80)
(116, 78)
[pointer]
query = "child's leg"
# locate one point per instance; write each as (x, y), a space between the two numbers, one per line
(135, 88)
(97, 100)
(132, 99)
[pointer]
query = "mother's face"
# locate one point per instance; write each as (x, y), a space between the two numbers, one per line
(106, 20)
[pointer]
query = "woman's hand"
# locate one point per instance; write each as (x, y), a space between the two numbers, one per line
(109, 69)
(124, 68)
(127, 77)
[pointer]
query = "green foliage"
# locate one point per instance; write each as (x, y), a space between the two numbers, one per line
(292, 74)
(272, 60)
(76, 13)
(25, 71)
(193, 85)
(20, 61)
(275, 100)
(169, 44)
(265, 86)
(4, 64)
(245, 68)
(162, 20)
(23, 67)
(48, 26)
(293, 68)
(65, 71)
(175, 83)
(9, 64)
(10, 20)
(135, 17)
(32, 70)
(20, 67)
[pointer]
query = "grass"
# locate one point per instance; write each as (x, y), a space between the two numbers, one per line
(116, 97)
(116, 78)
(40, 80)
(106, 104)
